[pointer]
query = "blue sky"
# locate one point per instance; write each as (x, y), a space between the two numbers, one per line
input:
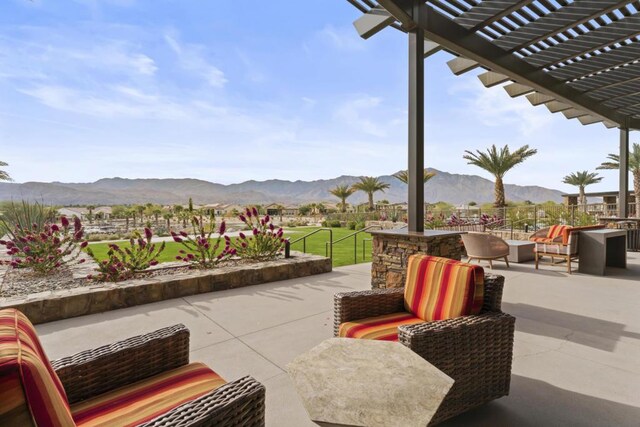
(227, 93)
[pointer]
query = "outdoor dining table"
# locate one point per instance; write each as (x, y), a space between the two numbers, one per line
(345, 381)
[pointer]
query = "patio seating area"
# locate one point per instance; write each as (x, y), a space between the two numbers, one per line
(577, 340)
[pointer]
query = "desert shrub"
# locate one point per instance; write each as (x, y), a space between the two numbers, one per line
(203, 251)
(103, 237)
(44, 247)
(24, 215)
(264, 243)
(123, 263)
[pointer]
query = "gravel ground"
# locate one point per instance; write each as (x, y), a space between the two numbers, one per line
(19, 282)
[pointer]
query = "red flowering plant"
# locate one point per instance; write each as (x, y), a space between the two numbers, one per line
(202, 250)
(46, 247)
(265, 243)
(124, 262)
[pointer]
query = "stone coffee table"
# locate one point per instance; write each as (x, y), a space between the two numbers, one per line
(368, 383)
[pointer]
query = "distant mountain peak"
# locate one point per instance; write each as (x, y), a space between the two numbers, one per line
(452, 188)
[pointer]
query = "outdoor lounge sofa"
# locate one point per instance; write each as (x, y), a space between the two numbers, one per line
(470, 340)
(558, 241)
(484, 246)
(142, 381)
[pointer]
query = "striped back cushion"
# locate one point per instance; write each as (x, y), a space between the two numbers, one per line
(28, 375)
(441, 288)
(556, 230)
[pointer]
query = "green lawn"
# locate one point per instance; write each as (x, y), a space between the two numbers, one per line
(343, 252)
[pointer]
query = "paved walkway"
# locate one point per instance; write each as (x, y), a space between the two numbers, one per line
(576, 352)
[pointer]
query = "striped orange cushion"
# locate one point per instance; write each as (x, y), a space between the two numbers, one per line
(378, 328)
(556, 231)
(14, 410)
(26, 371)
(147, 399)
(441, 288)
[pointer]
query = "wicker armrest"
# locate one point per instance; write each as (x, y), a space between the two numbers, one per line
(448, 343)
(348, 306)
(93, 372)
(493, 285)
(238, 403)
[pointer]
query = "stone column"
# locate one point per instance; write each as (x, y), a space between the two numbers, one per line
(392, 248)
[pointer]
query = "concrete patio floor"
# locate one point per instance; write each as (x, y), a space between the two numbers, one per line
(577, 344)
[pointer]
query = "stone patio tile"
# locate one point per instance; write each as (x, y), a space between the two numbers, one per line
(66, 337)
(281, 344)
(581, 376)
(246, 310)
(233, 359)
(284, 405)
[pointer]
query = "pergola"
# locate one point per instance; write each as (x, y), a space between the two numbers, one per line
(580, 58)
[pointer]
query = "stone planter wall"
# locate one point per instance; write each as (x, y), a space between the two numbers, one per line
(392, 248)
(55, 305)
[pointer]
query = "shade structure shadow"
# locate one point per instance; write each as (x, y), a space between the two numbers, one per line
(555, 323)
(533, 403)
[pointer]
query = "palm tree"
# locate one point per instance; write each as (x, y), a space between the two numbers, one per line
(634, 167)
(370, 185)
(404, 176)
(498, 163)
(4, 176)
(342, 192)
(156, 211)
(581, 179)
(90, 208)
(140, 209)
(167, 216)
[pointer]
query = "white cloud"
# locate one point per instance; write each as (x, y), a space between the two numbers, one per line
(309, 102)
(344, 38)
(192, 58)
(493, 107)
(358, 113)
(122, 102)
(67, 56)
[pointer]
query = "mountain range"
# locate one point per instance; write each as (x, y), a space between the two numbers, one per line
(448, 187)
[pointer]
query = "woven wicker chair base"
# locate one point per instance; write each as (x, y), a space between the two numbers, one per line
(97, 371)
(476, 351)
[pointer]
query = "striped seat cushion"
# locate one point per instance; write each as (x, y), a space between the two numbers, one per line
(379, 327)
(441, 288)
(552, 248)
(147, 399)
(29, 387)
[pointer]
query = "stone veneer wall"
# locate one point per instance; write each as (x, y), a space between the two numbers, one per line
(391, 251)
(55, 305)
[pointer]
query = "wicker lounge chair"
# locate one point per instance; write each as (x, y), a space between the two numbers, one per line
(483, 246)
(558, 241)
(145, 380)
(475, 350)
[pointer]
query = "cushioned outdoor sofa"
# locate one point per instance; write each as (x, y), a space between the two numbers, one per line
(558, 241)
(142, 381)
(448, 313)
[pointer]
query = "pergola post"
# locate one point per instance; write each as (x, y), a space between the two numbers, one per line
(416, 127)
(623, 196)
